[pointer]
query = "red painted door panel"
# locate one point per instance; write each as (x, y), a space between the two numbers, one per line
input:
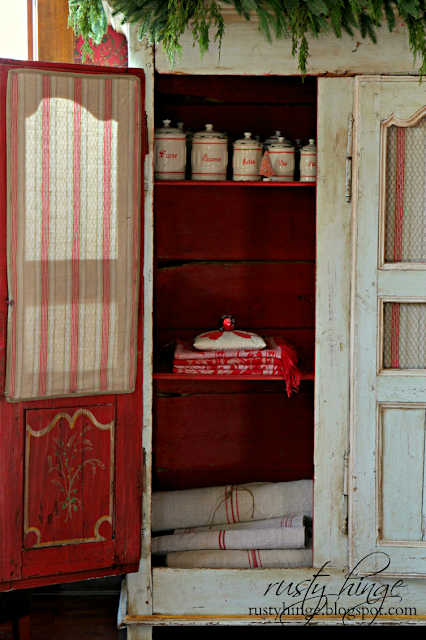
(70, 468)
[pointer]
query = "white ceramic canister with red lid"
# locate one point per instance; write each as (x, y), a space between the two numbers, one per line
(246, 159)
(308, 162)
(209, 155)
(281, 155)
(169, 153)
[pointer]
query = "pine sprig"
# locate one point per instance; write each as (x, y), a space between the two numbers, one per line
(166, 20)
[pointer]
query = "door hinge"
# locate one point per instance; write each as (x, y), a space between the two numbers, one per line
(348, 188)
(345, 493)
(146, 135)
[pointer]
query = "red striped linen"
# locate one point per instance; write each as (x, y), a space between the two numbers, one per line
(287, 521)
(231, 503)
(73, 152)
(271, 538)
(238, 559)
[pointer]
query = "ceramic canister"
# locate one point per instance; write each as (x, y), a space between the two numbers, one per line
(209, 156)
(308, 162)
(273, 139)
(281, 154)
(247, 158)
(169, 153)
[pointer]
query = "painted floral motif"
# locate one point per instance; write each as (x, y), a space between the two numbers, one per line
(63, 463)
(111, 52)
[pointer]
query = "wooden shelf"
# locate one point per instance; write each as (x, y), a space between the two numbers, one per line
(229, 183)
(307, 375)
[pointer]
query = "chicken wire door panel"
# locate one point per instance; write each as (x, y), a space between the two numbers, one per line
(71, 213)
(388, 463)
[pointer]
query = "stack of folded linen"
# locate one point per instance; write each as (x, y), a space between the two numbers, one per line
(278, 358)
(256, 525)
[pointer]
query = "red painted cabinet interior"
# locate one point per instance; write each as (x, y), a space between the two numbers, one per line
(70, 468)
(246, 249)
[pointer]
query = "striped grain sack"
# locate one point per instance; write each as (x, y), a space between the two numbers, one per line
(278, 538)
(73, 153)
(273, 523)
(249, 559)
(230, 504)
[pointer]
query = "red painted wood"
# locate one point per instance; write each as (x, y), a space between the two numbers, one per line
(11, 416)
(176, 387)
(227, 226)
(53, 403)
(39, 581)
(256, 294)
(71, 558)
(233, 438)
(261, 119)
(181, 89)
(73, 561)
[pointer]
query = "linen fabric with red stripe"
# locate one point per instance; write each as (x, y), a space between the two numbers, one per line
(73, 151)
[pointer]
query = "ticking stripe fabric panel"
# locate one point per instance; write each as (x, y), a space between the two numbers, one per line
(405, 239)
(73, 233)
(404, 344)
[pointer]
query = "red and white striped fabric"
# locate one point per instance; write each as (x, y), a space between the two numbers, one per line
(230, 503)
(73, 154)
(272, 523)
(281, 360)
(237, 559)
(271, 538)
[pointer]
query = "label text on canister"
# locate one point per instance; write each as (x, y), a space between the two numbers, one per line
(207, 159)
(163, 154)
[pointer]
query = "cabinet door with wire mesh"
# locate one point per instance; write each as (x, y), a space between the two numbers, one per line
(388, 496)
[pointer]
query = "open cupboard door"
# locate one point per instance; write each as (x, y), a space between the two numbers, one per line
(71, 318)
(388, 498)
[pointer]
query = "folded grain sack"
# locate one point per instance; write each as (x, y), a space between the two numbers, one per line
(277, 538)
(248, 559)
(230, 504)
(273, 523)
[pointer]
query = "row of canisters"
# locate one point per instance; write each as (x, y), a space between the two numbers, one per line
(209, 155)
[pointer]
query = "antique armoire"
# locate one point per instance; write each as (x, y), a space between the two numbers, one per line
(337, 268)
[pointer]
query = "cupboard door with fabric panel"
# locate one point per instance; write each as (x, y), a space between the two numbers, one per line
(389, 399)
(71, 314)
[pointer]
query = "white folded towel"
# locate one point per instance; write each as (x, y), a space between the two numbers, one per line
(277, 538)
(231, 504)
(248, 559)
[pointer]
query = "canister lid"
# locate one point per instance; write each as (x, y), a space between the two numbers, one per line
(282, 143)
(311, 146)
(209, 134)
(248, 141)
(167, 131)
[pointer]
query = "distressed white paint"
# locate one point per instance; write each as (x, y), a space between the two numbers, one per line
(139, 596)
(401, 464)
(245, 51)
(222, 592)
(333, 269)
(376, 100)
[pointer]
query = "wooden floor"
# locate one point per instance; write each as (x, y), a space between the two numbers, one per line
(72, 617)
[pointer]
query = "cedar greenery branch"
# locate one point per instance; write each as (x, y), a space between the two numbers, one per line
(166, 20)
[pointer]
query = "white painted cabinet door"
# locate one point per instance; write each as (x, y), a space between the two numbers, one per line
(388, 462)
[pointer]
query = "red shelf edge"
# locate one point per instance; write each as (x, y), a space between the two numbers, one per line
(230, 183)
(308, 375)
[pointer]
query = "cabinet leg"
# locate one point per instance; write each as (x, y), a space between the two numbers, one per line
(21, 628)
(139, 633)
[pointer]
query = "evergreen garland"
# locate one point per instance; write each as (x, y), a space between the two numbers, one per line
(166, 20)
